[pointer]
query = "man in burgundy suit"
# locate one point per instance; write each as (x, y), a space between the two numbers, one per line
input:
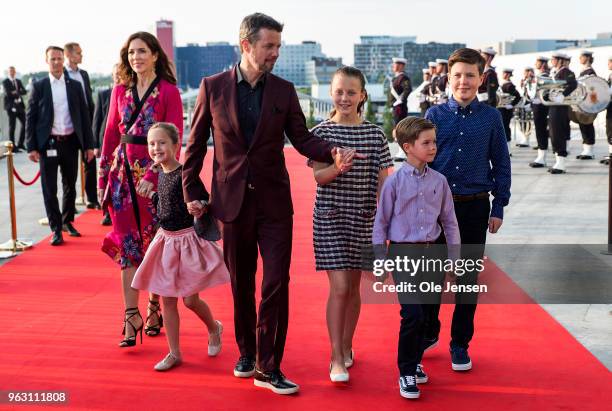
(249, 110)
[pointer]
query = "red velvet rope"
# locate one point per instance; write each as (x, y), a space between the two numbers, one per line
(26, 183)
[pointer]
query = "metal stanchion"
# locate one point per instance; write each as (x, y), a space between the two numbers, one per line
(13, 245)
(82, 201)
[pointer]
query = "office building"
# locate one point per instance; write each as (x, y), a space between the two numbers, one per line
(320, 70)
(291, 64)
(194, 61)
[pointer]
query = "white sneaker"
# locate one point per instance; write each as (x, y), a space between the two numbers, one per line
(408, 387)
(214, 340)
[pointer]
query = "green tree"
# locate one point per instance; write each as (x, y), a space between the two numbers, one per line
(370, 115)
(34, 76)
(388, 120)
(101, 82)
(304, 90)
(310, 121)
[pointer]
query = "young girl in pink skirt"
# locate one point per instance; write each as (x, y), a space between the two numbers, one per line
(178, 263)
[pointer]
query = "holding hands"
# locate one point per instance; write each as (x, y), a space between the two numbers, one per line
(197, 208)
(343, 158)
(145, 188)
(343, 161)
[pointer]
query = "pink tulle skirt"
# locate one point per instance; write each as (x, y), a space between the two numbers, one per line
(180, 264)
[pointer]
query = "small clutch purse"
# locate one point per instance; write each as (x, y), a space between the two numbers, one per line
(206, 227)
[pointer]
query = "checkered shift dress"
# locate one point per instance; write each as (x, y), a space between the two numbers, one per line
(345, 208)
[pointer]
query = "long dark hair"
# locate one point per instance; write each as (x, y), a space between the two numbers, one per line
(163, 68)
(352, 72)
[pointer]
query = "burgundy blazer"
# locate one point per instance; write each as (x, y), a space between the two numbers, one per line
(216, 111)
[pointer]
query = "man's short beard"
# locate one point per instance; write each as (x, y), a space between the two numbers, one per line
(267, 68)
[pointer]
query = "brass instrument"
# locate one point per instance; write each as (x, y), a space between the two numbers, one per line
(437, 98)
(591, 96)
(529, 89)
(523, 116)
(503, 99)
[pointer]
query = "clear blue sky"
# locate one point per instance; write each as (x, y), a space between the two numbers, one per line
(101, 27)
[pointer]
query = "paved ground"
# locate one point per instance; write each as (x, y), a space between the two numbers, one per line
(544, 209)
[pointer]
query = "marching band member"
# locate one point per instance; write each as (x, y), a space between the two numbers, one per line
(559, 114)
(528, 83)
(606, 160)
(527, 80)
(424, 104)
(507, 110)
(433, 82)
(488, 88)
(540, 116)
(587, 130)
(399, 89)
(442, 83)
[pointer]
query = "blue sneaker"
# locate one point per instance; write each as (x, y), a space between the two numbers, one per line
(421, 377)
(460, 359)
(408, 387)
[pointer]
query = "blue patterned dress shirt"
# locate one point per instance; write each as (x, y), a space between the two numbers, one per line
(472, 150)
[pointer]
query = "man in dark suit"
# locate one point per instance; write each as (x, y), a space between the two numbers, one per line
(13, 104)
(249, 111)
(57, 126)
(74, 57)
(99, 125)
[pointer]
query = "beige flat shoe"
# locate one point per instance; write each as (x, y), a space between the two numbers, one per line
(348, 362)
(170, 361)
(214, 341)
(338, 377)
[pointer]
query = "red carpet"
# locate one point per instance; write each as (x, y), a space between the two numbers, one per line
(61, 319)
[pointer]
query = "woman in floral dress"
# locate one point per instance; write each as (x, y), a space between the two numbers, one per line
(147, 79)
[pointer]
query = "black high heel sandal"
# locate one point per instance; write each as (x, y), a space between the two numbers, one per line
(154, 330)
(131, 341)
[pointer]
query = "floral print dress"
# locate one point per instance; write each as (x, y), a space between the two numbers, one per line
(125, 244)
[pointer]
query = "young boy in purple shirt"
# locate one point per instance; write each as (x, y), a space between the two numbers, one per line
(414, 202)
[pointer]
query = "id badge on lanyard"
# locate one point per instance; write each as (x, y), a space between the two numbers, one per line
(52, 151)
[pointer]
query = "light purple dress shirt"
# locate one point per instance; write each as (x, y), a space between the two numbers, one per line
(410, 206)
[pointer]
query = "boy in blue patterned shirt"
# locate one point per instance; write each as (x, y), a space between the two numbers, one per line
(473, 156)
